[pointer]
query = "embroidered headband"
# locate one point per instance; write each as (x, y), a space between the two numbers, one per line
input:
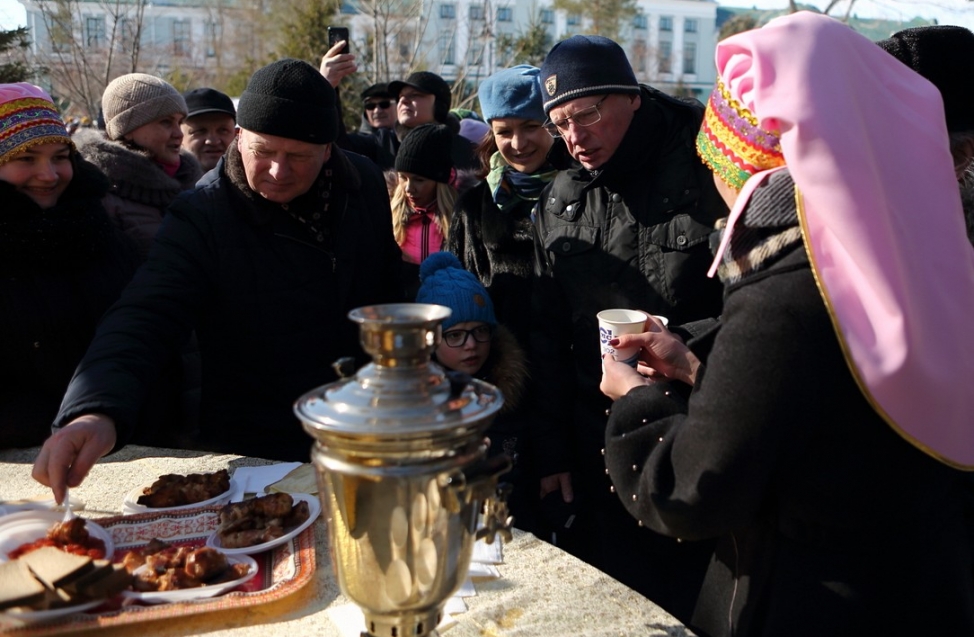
(732, 144)
(28, 118)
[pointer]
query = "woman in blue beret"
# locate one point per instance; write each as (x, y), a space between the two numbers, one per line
(492, 231)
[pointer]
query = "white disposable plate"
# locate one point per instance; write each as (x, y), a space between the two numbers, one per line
(15, 617)
(130, 505)
(314, 508)
(200, 592)
(27, 526)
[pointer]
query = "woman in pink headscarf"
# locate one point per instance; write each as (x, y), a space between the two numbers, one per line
(820, 429)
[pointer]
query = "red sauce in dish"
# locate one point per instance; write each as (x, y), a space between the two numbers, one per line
(93, 548)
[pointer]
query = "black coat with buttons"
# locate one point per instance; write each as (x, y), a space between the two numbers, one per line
(830, 522)
(267, 297)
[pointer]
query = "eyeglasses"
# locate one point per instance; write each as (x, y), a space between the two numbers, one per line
(585, 117)
(458, 338)
(373, 105)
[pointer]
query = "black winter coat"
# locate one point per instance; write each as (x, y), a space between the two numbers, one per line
(268, 303)
(633, 235)
(498, 248)
(830, 522)
(60, 269)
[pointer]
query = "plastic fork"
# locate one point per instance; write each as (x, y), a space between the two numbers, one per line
(68, 513)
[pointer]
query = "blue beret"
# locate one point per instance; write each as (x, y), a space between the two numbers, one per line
(585, 65)
(513, 92)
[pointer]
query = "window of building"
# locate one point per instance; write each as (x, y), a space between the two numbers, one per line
(404, 44)
(690, 25)
(448, 49)
(213, 31)
(181, 37)
(666, 23)
(475, 54)
(505, 14)
(573, 19)
(448, 11)
(639, 55)
(689, 57)
(95, 31)
(547, 16)
(640, 21)
(665, 54)
(476, 12)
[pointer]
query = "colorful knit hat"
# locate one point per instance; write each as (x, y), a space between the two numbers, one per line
(732, 144)
(28, 118)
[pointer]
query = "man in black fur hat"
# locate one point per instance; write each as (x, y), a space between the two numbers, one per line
(624, 224)
(264, 260)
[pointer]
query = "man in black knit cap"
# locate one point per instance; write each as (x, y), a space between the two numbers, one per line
(264, 260)
(624, 224)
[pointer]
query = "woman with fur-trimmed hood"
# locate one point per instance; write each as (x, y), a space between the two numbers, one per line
(142, 154)
(474, 343)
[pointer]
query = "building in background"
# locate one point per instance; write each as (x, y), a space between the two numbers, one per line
(670, 43)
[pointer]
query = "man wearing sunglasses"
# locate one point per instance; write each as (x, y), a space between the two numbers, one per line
(379, 106)
(624, 224)
(379, 116)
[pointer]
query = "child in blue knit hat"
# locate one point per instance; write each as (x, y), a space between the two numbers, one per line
(475, 343)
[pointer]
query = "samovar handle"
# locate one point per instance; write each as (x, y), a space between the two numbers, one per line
(344, 367)
(497, 517)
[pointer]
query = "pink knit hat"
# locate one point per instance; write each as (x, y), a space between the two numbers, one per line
(28, 118)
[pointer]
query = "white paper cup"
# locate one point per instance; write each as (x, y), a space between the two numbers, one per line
(615, 323)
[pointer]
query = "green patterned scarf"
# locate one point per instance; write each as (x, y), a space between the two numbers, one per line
(509, 187)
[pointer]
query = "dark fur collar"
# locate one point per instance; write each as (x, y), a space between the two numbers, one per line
(507, 368)
(133, 174)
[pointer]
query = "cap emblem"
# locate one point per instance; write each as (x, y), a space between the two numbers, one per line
(551, 84)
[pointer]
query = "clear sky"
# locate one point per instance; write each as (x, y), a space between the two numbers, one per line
(959, 12)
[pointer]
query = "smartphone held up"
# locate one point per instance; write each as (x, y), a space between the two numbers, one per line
(336, 35)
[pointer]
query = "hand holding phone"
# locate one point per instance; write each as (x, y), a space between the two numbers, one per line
(336, 35)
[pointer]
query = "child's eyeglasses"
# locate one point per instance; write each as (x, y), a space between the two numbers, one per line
(458, 338)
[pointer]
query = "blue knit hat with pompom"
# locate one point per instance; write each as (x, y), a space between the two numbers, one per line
(445, 282)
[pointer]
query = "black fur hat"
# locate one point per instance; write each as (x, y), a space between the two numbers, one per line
(941, 54)
(289, 98)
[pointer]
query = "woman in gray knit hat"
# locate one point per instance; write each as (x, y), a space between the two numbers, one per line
(141, 155)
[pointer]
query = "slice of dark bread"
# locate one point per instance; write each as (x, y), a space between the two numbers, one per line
(108, 584)
(17, 586)
(55, 568)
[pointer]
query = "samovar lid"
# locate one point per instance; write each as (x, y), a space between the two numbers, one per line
(401, 396)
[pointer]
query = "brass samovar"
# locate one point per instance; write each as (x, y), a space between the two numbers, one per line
(402, 469)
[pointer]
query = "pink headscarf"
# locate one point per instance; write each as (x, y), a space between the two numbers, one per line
(865, 141)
